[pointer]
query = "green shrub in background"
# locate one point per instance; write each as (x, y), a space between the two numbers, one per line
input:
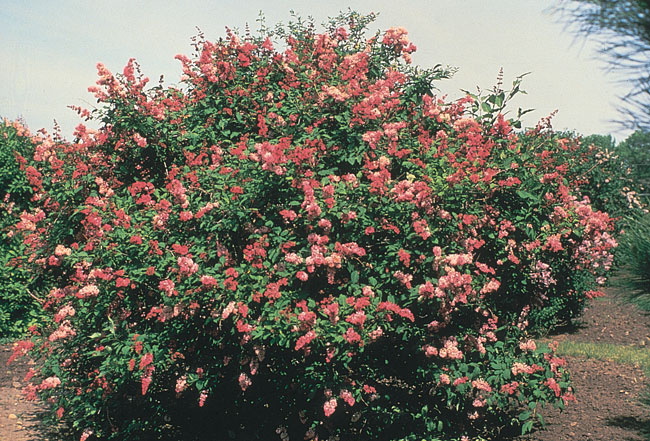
(18, 309)
(635, 152)
(304, 243)
(603, 175)
(616, 178)
(635, 244)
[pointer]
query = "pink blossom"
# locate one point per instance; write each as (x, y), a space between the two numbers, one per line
(348, 216)
(450, 350)
(521, 368)
(528, 345)
(325, 224)
(146, 381)
(146, 360)
(293, 258)
(244, 381)
(166, 286)
(229, 309)
(404, 278)
(429, 351)
(460, 380)
(288, 215)
(202, 397)
(50, 383)
(332, 311)
(86, 434)
(377, 333)
(482, 385)
(552, 384)
(181, 384)
(307, 318)
(346, 396)
(61, 251)
(492, 286)
(140, 140)
(422, 229)
(121, 282)
(357, 318)
(304, 340)
(208, 281)
(352, 336)
(185, 216)
(65, 311)
(510, 388)
(329, 407)
(187, 265)
(63, 331)
(426, 290)
(478, 402)
(88, 291)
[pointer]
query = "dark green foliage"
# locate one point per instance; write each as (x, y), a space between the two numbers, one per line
(17, 307)
(636, 246)
(635, 153)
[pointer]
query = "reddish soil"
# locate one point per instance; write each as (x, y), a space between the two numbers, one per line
(608, 406)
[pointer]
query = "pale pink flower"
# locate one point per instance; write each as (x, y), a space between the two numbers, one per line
(202, 398)
(208, 281)
(61, 250)
(86, 434)
(145, 382)
(50, 383)
(63, 331)
(346, 396)
(482, 385)
(521, 368)
(181, 384)
(244, 381)
(478, 403)
(187, 265)
(429, 351)
(140, 140)
(374, 335)
(329, 407)
(67, 310)
(167, 286)
(88, 291)
(293, 258)
(528, 345)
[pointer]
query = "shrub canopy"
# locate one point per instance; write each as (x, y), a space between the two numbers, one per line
(307, 242)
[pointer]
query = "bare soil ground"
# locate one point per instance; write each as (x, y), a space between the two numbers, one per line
(18, 417)
(608, 406)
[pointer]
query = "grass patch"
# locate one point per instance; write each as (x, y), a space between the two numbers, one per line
(623, 354)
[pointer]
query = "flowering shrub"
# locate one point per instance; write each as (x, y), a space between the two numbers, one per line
(601, 174)
(303, 243)
(17, 308)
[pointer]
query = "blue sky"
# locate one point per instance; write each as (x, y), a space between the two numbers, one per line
(50, 49)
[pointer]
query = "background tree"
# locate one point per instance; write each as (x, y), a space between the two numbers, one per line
(635, 152)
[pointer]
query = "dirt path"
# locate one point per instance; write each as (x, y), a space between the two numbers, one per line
(18, 417)
(608, 406)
